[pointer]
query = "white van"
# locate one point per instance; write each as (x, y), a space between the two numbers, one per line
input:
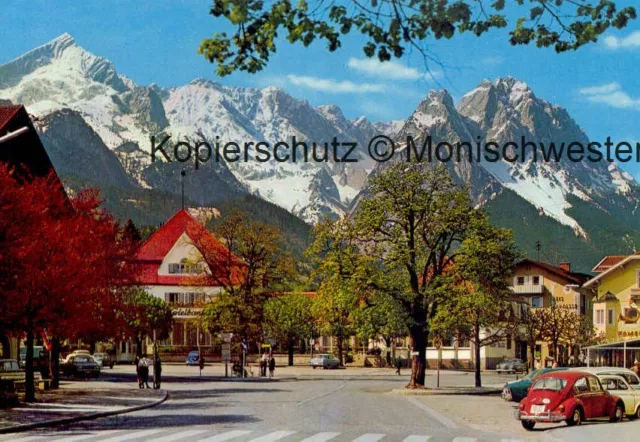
(631, 378)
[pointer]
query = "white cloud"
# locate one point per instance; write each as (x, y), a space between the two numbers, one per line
(492, 61)
(333, 86)
(631, 41)
(392, 70)
(610, 94)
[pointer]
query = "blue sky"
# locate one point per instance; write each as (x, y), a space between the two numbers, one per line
(156, 42)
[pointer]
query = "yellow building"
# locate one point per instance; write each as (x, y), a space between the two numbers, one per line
(616, 310)
(540, 285)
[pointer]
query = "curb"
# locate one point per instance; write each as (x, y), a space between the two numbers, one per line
(84, 417)
(447, 392)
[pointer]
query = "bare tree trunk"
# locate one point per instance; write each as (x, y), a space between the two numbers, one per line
(54, 362)
(340, 353)
(30, 393)
(290, 350)
(387, 342)
(476, 330)
(532, 349)
(419, 361)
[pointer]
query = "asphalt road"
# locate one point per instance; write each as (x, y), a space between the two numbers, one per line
(320, 408)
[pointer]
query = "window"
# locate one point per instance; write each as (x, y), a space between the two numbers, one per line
(600, 316)
(536, 280)
(184, 298)
(182, 267)
(536, 301)
(520, 280)
(581, 386)
(610, 316)
(508, 342)
(554, 384)
(594, 384)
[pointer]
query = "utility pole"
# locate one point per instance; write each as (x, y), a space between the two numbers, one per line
(538, 247)
(183, 173)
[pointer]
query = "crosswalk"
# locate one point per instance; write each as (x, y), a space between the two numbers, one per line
(209, 434)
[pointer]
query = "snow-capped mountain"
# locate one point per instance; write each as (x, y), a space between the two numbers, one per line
(97, 124)
(62, 75)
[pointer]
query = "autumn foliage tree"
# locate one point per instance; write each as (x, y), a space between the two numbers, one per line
(62, 263)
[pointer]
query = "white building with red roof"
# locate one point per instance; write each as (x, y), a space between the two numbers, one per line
(170, 266)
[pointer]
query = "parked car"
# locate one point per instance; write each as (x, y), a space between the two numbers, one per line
(569, 396)
(40, 359)
(517, 390)
(193, 358)
(104, 359)
(325, 361)
(632, 379)
(9, 368)
(617, 385)
(511, 366)
(80, 365)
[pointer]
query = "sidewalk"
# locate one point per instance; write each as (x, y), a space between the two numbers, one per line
(78, 401)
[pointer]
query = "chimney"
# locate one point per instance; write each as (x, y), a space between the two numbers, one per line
(565, 266)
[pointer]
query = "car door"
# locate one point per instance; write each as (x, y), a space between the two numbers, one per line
(581, 390)
(598, 397)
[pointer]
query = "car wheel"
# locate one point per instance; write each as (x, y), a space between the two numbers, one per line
(528, 425)
(576, 418)
(314, 367)
(637, 414)
(618, 413)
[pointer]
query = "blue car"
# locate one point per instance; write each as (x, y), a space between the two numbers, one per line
(517, 390)
(193, 358)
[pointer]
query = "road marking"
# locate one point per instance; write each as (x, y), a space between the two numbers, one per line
(464, 439)
(320, 437)
(179, 436)
(272, 437)
(225, 436)
(416, 438)
(321, 395)
(134, 435)
(444, 420)
(369, 437)
(80, 437)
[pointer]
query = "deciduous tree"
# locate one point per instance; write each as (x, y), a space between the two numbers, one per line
(288, 318)
(391, 27)
(143, 314)
(411, 225)
(476, 296)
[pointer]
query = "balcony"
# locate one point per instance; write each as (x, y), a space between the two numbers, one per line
(528, 289)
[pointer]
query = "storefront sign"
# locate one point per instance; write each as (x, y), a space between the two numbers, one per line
(180, 313)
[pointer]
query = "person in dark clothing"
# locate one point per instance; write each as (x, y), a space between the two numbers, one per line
(272, 366)
(398, 365)
(157, 372)
(136, 361)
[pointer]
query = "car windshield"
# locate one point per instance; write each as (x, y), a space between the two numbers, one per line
(554, 384)
(193, 353)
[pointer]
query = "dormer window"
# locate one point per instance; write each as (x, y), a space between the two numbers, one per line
(520, 280)
(536, 280)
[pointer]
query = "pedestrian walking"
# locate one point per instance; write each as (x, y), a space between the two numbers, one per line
(636, 367)
(143, 365)
(272, 366)
(398, 366)
(263, 364)
(157, 372)
(136, 361)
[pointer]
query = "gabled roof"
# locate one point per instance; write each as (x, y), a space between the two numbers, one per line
(570, 277)
(612, 268)
(607, 262)
(153, 251)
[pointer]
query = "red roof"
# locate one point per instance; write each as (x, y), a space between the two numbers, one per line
(153, 251)
(7, 113)
(608, 262)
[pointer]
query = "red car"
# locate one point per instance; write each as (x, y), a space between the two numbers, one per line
(569, 396)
